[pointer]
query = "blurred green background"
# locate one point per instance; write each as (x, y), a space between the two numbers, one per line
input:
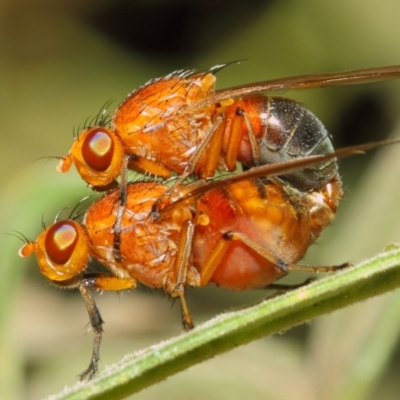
(61, 61)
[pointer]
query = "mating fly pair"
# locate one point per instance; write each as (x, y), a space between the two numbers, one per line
(239, 232)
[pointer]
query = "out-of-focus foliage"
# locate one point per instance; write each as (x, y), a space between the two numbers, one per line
(61, 61)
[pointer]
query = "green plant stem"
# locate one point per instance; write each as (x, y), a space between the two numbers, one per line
(370, 278)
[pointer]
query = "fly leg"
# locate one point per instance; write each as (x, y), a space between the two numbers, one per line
(101, 282)
(175, 284)
(131, 161)
(97, 325)
(286, 288)
(222, 246)
(281, 264)
(121, 209)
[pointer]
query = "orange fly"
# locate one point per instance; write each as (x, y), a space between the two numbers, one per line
(239, 232)
(180, 124)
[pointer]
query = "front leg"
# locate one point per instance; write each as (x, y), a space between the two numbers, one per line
(121, 209)
(102, 282)
(97, 324)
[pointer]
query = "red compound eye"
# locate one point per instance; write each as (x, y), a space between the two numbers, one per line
(60, 241)
(98, 149)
